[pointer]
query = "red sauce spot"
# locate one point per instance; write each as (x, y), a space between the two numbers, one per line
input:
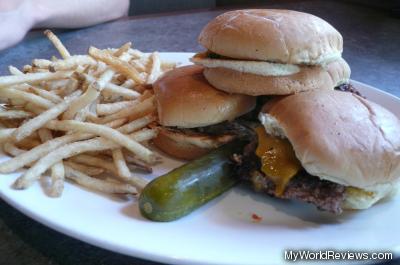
(256, 218)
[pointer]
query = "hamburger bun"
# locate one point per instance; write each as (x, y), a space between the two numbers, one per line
(185, 99)
(273, 35)
(342, 138)
(307, 78)
(187, 146)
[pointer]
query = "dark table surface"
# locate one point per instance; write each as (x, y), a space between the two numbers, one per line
(371, 47)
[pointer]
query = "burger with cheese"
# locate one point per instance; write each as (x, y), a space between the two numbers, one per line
(271, 52)
(195, 116)
(333, 149)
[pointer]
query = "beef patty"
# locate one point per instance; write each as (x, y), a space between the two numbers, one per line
(325, 195)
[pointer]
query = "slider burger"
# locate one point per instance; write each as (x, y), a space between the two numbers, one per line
(195, 116)
(333, 149)
(271, 52)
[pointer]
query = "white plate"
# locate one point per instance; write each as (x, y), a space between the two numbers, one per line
(222, 232)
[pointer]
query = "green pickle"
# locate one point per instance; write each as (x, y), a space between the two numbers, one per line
(179, 192)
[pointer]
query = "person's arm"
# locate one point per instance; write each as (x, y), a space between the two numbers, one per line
(17, 17)
(77, 13)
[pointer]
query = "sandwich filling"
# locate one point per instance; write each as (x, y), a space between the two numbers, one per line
(264, 68)
(271, 165)
(211, 136)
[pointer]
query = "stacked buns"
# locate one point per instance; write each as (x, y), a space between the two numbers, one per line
(344, 150)
(271, 52)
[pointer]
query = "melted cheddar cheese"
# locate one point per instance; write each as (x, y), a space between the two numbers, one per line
(278, 160)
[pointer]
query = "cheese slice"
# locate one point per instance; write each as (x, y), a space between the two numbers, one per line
(263, 68)
(278, 160)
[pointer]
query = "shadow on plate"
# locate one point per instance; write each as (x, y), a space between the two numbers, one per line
(243, 206)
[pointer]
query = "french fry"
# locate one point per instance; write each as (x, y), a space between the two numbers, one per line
(130, 84)
(136, 53)
(95, 162)
(105, 78)
(105, 132)
(117, 64)
(116, 123)
(46, 94)
(121, 91)
(57, 179)
(138, 65)
(31, 107)
(56, 84)
(90, 95)
(57, 170)
(15, 114)
(70, 87)
(23, 87)
(67, 64)
(120, 164)
(55, 156)
(81, 102)
(137, 124)
(115, 89)
(110, 108)
(82, 114)
(14, 71)
(27, 69)
(131, 160)
(124, 172)
(39, 151)
(11, 93)
(97, 184)
(34, 124)
(11, 149)
(100, 68)
(123, 49)
(32, 78)
(57, 44)
(155, 71)
(144, 135)
(28, 143)
(66, 151)
(5, 134)
(133, 112)
(91, 171)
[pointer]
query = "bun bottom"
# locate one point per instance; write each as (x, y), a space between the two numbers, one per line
(358, 199)
(309, 78)
(177, 147)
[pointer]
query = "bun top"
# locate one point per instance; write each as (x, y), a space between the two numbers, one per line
(185, 99)
(273, 35)
(338, 136)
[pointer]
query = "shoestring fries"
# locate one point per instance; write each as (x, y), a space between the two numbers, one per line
(81, 118)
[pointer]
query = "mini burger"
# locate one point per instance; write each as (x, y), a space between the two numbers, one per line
(271, 52)
(195, 116)
(333, 149)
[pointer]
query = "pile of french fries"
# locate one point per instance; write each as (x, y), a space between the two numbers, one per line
(84, 118)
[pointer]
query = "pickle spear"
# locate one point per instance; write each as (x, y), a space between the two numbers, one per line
(186, 188)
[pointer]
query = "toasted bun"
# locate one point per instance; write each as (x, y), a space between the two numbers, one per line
(274, 35)
(185, 99)
(187, 146)
(308, 78)
(340, 137)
